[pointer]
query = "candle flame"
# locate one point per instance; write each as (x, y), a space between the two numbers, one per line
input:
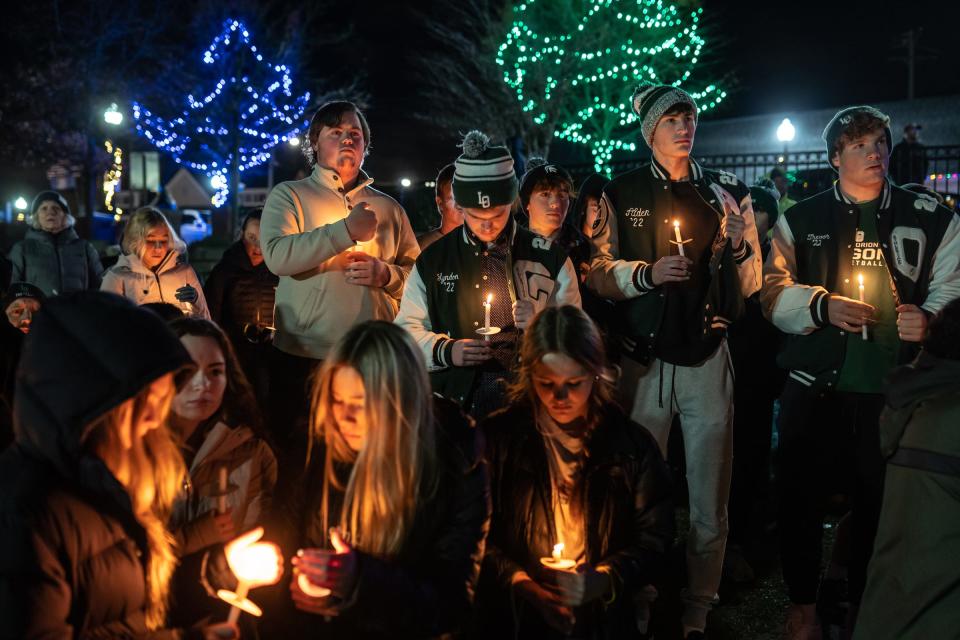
(558, 551)
(489, 298)
(860, 278)
(256, 564)
(676, 223)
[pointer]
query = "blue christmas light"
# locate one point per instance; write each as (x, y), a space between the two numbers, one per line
(261, 97)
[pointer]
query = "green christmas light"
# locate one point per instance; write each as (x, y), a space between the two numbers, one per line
(581, 86)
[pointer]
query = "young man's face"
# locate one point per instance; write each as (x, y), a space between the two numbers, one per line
(863, 161)
(547, 209)
(487, 224)
(341, 147)
(451, 215)
(20, 313)
(673, 136)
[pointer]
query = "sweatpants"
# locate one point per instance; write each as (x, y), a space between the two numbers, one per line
(828, 440)
(702, 396)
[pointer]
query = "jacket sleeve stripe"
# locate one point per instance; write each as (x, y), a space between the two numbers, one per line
(610, 276)
(787, 303)
(415, 318)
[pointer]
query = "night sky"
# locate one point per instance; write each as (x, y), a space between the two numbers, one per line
(785, 56)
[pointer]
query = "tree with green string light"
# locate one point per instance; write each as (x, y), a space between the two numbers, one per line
(573, 64)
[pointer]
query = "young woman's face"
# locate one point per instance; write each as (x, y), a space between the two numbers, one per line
(563, 387)
(547, 209)
(154, 413)
(349, 400)
(202, 395)
(156, 246)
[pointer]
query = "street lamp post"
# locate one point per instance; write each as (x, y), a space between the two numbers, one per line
(785, 134)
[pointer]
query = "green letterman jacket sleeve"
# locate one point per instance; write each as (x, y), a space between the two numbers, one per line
(945, 271)
(437, 348)
(610, 276)
(792, 307)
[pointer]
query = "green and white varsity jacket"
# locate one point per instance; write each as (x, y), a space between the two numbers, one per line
(810, 256)
(443, 302)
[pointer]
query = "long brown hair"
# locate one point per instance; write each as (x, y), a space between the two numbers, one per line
(153, 473)
(239, 402)
(397, 468)
(570, 331)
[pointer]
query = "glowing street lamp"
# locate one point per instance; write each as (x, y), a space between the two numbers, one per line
(113, 116)
(20, 203)
(405, 183)
(294, 141)
(786, 131)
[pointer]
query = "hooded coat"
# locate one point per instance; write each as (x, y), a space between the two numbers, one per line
(56, 262)
(131, 279)
(73, 555)
(913, 587)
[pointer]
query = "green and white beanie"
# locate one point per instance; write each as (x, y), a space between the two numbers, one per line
(484, 176)
(650, 101)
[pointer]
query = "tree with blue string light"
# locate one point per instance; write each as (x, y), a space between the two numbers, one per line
(232, 123)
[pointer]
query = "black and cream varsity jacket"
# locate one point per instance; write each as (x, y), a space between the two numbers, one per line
(811, 258)
(442, 301)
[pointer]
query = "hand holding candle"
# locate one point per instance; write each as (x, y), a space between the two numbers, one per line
(322, 573)
(255, 564)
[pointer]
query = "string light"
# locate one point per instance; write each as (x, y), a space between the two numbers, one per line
(594, 65)
(248, 90)
(112, 177)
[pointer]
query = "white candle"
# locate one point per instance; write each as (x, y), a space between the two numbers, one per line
(863, 329)
(486, 312)
(242, 590)
(556, 560)
(222, 491)
(676, 233)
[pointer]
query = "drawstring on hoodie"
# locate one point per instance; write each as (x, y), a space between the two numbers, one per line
(673, 388)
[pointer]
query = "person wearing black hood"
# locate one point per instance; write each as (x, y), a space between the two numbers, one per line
(87, 486)
(240, 294)
(912, 589)
(52, 256)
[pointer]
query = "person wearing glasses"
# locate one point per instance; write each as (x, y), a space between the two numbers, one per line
(240, 292)
(153, 266)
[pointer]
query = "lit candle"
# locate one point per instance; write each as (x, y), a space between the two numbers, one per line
(679, 240)
(486, 312)
(863, 329)
(556, 560)
(222, 491)
(254, 564)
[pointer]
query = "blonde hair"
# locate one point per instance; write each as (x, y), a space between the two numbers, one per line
(155, 474)
(397, 468)
(138, 227)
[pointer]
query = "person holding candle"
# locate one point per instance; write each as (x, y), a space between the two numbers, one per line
(240, 292)
(386, 528)
(443, 302)
(677, 249)
(86, 488)
(582, 509)
(216, 420)
(907, 248)
(153, 267)
(308, 234)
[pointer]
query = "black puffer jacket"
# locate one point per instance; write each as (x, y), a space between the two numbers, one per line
(56, 263)
(72, 553)
(427, 591)
(238, 292)
(629, 520)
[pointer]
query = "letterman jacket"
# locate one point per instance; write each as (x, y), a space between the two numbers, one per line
(812, 248)
(634, 231)
(442, 301)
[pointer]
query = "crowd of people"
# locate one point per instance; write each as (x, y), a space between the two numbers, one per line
(468, 433)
